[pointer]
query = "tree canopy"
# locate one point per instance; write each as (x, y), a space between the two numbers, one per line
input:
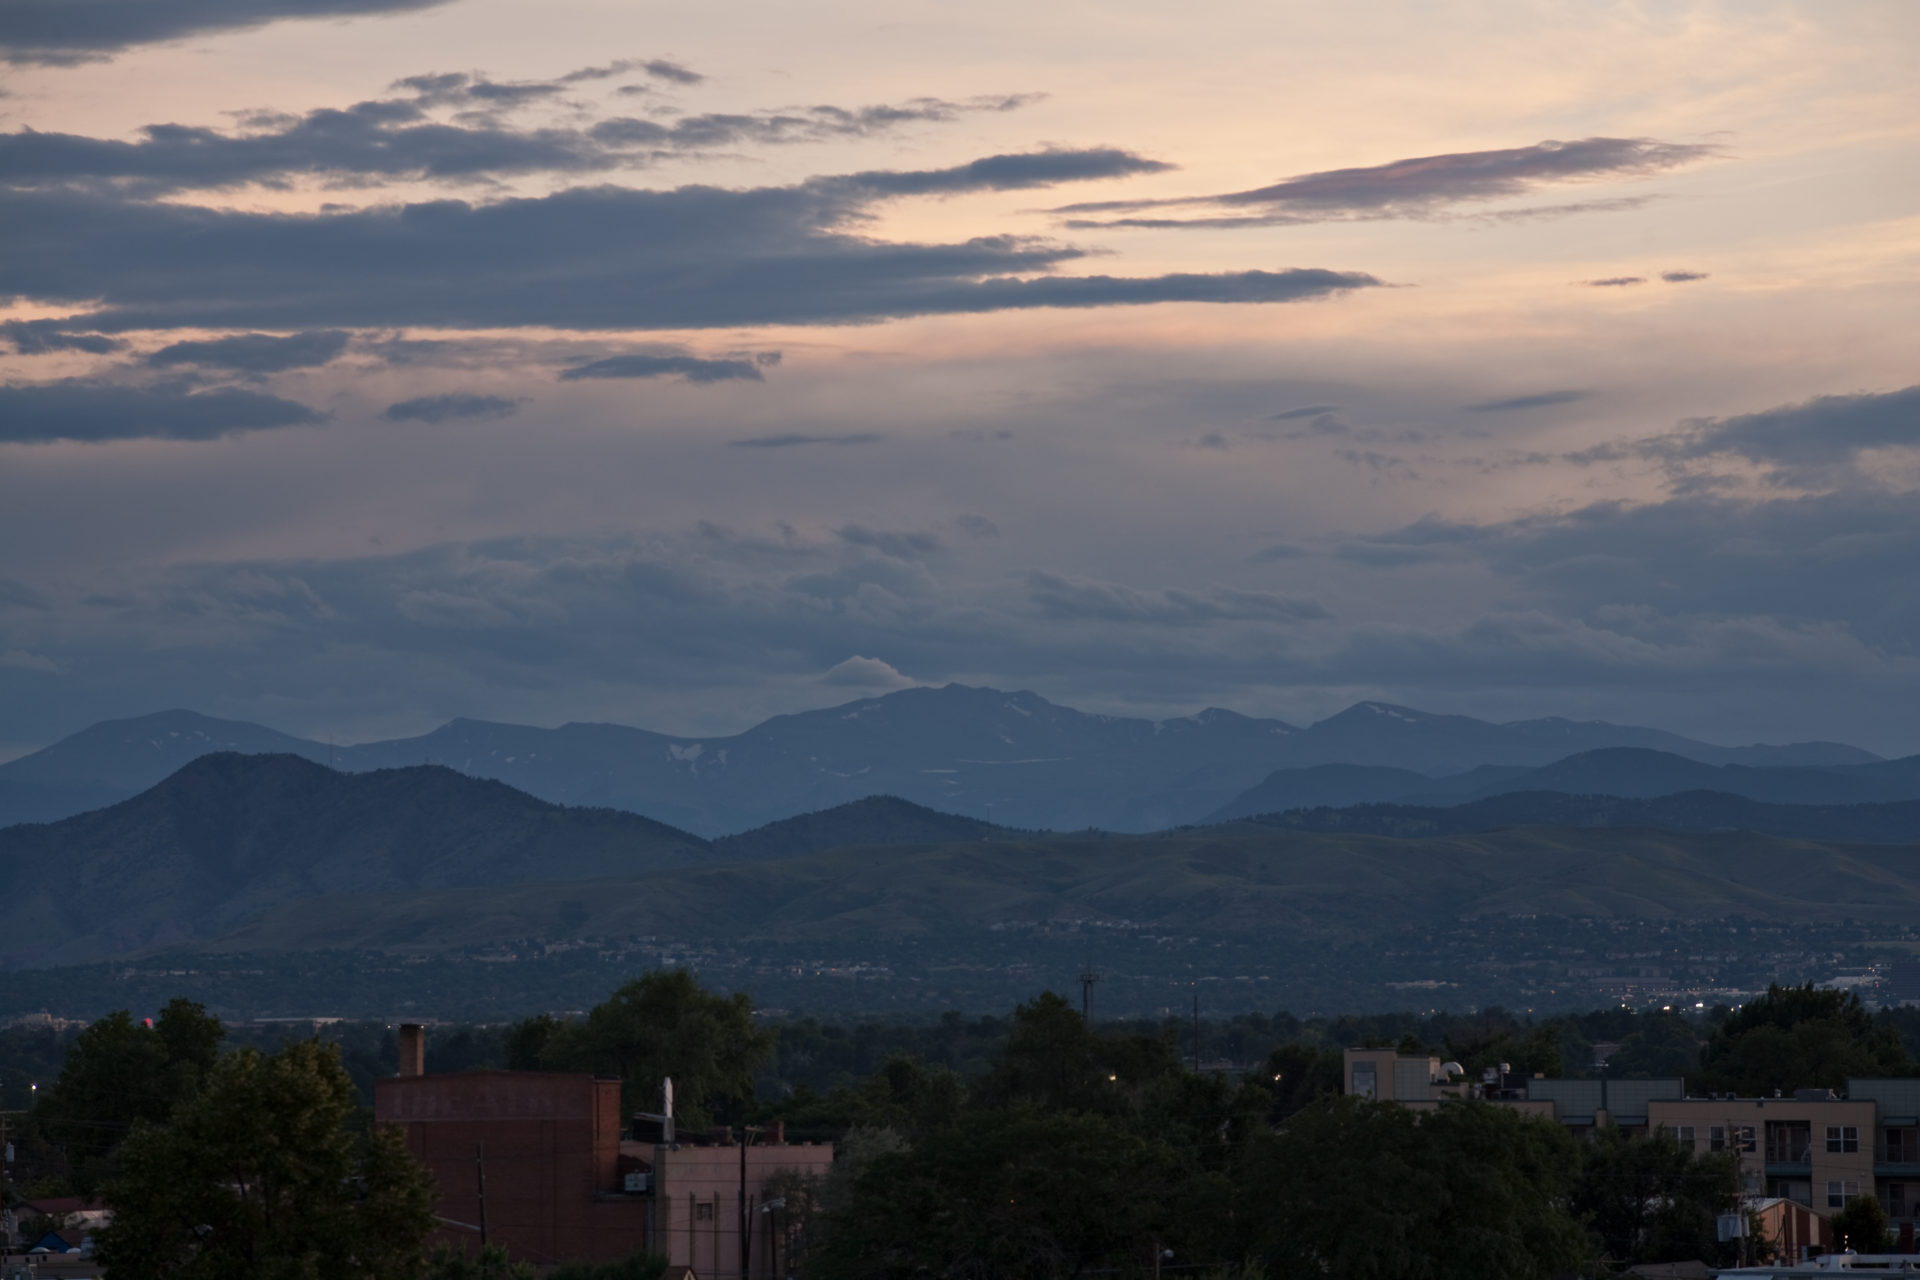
(119, 1072)
(1800, 1037)
(1378, 1191)
(261, 1175)
(662, 1025)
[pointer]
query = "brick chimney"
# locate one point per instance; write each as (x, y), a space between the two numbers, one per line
(413, 1049)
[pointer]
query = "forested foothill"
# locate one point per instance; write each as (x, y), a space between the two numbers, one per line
(1032, 1144)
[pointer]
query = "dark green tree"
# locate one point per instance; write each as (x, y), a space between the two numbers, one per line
(261, 1175)
(1800, 1037)
(1663, 1045)
(1296, 1074)
(1377, 1191)
(1862, 1226)
(1013, 1194)
(1053, 1061)
(119, 1072)
(639, 1266)
(1649, 1199)
(664, 1025)
(491, 1263)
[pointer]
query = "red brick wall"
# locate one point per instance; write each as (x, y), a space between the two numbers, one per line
(549, 1145)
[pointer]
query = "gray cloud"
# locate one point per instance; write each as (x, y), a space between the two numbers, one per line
(977, 526)
(452, 405)
(692, 368)
(1614, 282)
(595, 258)
(1803, 443)
(63, 32)
(908, 545)
(395, 138)
(1414, 187)
(1539, 400)
(1084, 600)
(43, 337)
(85, 409)
(1682, 277)
(795, 440)
(661, 69)
(1307, 411)
(257, 352)
(1803, 560)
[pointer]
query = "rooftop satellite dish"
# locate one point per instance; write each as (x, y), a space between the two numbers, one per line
(1452, 1069)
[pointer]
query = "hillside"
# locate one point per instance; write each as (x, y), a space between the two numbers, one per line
(230, 836)
(1240, 880)
(1014, 759)
(876, 820)
(1896, 823)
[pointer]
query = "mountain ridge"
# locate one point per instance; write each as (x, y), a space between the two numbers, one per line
(1012, 759)
(1626, 772)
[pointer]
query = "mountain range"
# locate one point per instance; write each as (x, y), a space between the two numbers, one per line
(1014, 759)
(1628, 772)
(272, 852)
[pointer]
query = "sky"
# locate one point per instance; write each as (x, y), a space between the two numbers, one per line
(368, 363)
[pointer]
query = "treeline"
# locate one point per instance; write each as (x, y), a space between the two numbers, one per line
(1033, 1145)
(820, 1055)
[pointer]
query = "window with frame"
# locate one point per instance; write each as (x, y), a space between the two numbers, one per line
(1683, 1134)
(1843, 1139)
(1746, 1138)
(1717, 1137)
(702, 1211)
(1838, 1193)
(1365, 1081)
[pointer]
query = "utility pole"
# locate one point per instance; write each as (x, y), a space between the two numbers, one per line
(480, 1185)
(1087, 978)
(746, 1135)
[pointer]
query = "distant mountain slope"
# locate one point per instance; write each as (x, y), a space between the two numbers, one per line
(229, 836)
(1897, 823)
(110, 761)
(1333, 886)
(1336, 786)
(876, 820)
(1610, 771)
(1013, 759)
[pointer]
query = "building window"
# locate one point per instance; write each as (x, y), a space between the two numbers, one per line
(1896, 1199)
(1901, 1147)
(1717, 1138)
(1838, 1193)
(1843, 1138)
(1746, 1138)
(704, 1212)
(1684, 1135)
(1365, 1083)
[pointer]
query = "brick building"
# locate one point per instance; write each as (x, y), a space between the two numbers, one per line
(546, 1165)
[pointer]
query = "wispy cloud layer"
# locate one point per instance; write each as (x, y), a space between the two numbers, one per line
(451, 405)
(85, 409)
(257, 352)
(388, 139)
(63, 32)
(1412, 188)
(587, 258)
